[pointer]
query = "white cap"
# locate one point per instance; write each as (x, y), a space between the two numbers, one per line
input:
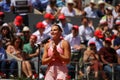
(26, 28)
(92, 1)
(70, 1)
(109, 8)
(5, 24)
(101, 2)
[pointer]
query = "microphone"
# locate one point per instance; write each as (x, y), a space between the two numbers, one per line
(43, 41)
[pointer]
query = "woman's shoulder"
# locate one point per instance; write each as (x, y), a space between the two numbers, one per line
(64, 43)
(88, 51)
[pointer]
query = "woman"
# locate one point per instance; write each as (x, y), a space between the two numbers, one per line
(91, 58)
(14, 50)
(6, 34)
(56, 55)
(68, 10)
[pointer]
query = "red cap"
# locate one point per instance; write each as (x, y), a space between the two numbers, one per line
(117, 22)
(75, 27)
(18, 20)
(108, 40)
(1, 14)
(61, 16)
(48, 16)
(98, 33)
(40, 25)
(92, 43)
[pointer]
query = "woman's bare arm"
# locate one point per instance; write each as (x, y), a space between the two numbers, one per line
(45, 58)
(67, 52)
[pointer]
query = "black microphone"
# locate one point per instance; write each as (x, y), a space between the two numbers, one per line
(43, 41)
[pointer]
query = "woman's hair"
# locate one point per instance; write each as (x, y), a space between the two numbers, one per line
(9, 34)
(21, 41)
(58, 27)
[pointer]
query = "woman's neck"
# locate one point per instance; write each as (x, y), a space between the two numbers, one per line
(56, 41)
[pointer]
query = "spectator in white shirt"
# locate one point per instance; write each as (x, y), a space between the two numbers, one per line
(86, 30)
(49, 18)
(69, 9)
(90, 10)
(116, 11)
(39, 33)
(66, 27)
(52, 8)
(74, 39)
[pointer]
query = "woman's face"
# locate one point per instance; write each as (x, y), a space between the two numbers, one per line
(4, 31)
(17, 42)
(55, 32)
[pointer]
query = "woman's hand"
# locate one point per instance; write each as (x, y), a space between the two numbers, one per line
(55, 52)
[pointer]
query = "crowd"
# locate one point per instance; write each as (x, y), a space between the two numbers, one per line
(98, 45)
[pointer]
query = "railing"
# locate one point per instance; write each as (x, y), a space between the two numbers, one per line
(76, 65)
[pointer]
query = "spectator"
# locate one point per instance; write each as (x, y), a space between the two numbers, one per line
(3, 62)
(26, 34)
(18, 25)
(66, 26)
(40, 32)
(55, 56)
(40, 4)
(74, 39)
(109, 57)
(52, 8)
(78, 8)
(60, 3)
(90, 10)
(117, 24)
(49, 18)
(105, 30)
(6, 34)
(68, 10)
(5, 5)
(31, 52)
(14, 53)
(116, 45)
(116, 11)
(91, 58)
(86, 30)
(97, 39)
(101, 8)
(109, 17)
(78, 4)
(44, 4)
